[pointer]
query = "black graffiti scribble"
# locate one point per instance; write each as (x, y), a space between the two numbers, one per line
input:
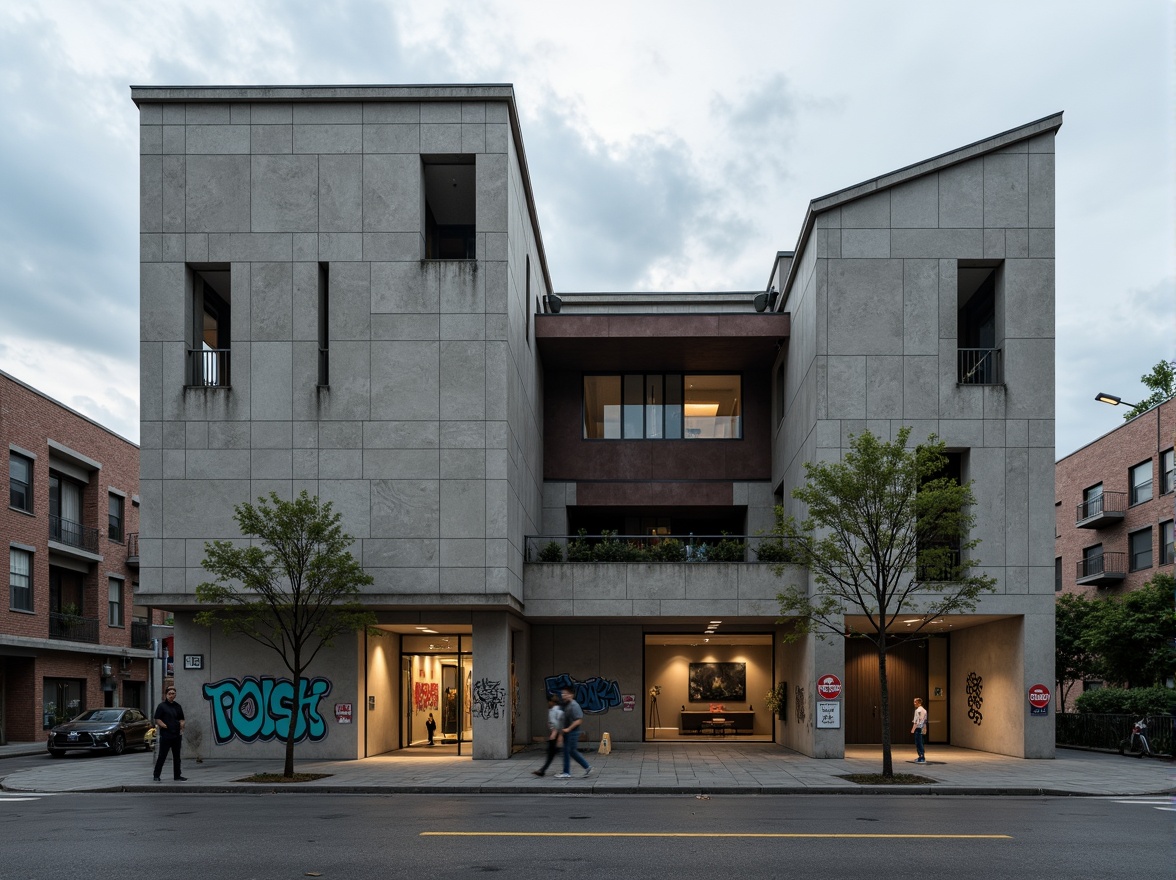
(800, 704)
(594, 695)
(974, 687)
(489, 698)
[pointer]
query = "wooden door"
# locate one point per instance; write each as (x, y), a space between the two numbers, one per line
(906, 673)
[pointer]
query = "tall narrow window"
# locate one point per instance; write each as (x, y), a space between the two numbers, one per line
(115, 602)
(979, 354)
(1057, 574)
(1166, 471)
(634, 387)
(208, 353)
(450, 207)
(1166, 543)
(527, 303)
(674, 406)
(1140, 480)
(1092, 560)
(654, 407)
(602, 407)
(1140, 545)
(20, 481)
(65, 512)
(20, 579)
(324, 288)
(116, 507)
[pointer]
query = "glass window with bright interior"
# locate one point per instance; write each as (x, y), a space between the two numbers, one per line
(663, 406)
(20, 579)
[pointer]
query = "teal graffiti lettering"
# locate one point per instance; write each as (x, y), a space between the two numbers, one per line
(256, 709)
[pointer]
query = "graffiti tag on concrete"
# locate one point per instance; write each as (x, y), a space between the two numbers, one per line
(594, 695)
(801, 702)
(264, 708)
(974, 689)
(489, 699)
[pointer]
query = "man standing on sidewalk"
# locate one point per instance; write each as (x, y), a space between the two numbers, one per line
(169, 720)
(919, 729)
(573, 717)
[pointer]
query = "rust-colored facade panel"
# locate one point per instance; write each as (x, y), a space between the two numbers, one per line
(676, 494)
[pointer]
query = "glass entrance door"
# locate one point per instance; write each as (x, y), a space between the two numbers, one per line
(436, 680)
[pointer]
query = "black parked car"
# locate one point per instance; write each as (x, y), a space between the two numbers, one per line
(112, 729)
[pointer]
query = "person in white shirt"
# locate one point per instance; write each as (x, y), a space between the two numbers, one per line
(919, 729)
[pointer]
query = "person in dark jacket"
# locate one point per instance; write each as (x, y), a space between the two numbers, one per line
(431, 727)
(169, 722)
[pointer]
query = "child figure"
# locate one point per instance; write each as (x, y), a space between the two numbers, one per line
(431, 727)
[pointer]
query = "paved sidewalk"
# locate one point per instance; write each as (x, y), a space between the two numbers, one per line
(639, 768)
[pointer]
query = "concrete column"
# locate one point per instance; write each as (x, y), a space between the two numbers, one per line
(490, 701)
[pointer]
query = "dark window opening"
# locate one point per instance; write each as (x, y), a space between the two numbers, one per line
(1140, 478)
(208, 354)
(1167, 466)
(1057, 574)
(324, 287)
(1140, 545)
(1166, 543)
(979, 354)
(114, 529)
(940, 554)
(450, 208)
(20, 482)
(115, 602)
(20, 579)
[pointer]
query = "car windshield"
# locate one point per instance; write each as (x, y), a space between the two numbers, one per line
(100, 715)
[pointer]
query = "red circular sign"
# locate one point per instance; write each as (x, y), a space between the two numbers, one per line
(1039, 696)
(829, 687)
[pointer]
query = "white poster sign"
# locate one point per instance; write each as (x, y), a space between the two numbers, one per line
(828, 716)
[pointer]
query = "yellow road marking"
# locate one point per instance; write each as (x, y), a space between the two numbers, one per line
(713, 834)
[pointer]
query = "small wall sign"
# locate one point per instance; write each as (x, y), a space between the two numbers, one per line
(343, 713)
(628, 702)
(193, 661)
(828, 716)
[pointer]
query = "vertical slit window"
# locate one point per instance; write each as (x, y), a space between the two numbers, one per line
(20, 480)
(115, 602)
(324, 298)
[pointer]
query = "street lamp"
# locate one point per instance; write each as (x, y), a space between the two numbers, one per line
(1103, 397)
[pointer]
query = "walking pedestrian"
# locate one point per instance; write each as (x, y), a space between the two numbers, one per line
(555, 723)
(169, 721)
(573, 717)
(919, 729)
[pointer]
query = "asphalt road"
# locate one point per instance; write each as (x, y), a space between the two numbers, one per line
(436, 837)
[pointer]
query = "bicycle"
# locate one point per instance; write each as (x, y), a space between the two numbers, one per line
(1136, 744)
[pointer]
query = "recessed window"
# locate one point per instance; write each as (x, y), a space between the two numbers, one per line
(115, 602)
(1140, 479)
(1092, 560)
(1166, 543)
(117, 505)
(20, 579)
(1092, 501)
(1140, 548)
(663, 406)
(208, 351)
(979, 358)
(450, 208)
(20, 482)
(1057, 574)
(324, 336)
(1166, 475)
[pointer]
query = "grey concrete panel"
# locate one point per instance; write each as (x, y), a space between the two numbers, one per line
(340, 435)
(463, 509)
(549, 582)
(463, 435)
(463, 326)
(229, 435)
(196, 247)
(392, 138)
(217, 194)
(393, 245)
(396, 553)
(269, 380)
(407, 581)
(463, 464)
(994, 244)
(150, 247)
(986, 469)
(271, 301)
(866, 287)
(401, 464)
(1041, 433)
(1041, 243)
(463, 369)
(498, 502)
(400, 435)
(406, 327)
(494, 279)
(859, 243)
(459, 287)
(351, 499)
(151, 194)
(649, 581)
(962, 433)
(1042, 522)
(349, 394)
(462, 553)
(884, 387)
(175, 464)
(340, 194)
(920, 395)
(151, 114)
(497, 138)
(401, 287)
(284, 193)
(306, 468)
(1016, 243)
(173, 245)
(961, 196)
(392, 193)
(263, 435)
(213, 140)
(1016, 432)
(868, 212)
(271, 464)
(440, 138)
(956, 401)
(275, 139)
(493, 178)
(340, 247)
(239, 114)
(598, 582)
(937, 243)
(271, 114)
(328, 139)
(391, 112)
(1029, 374)
(173, 114)
(994, 432)
(1016, 507)
(1041, 189)
(207, 114)
(340, 464)
(406, 508)
(329, 113)
(304, 282)
(846, 387)
(708, 582)
(406, 380)
(150, 140)
(473, 138)
(921, 307)
(1006, 190)
(214, 464)
(440, 111)
(350, 312)
(245, 247)
(948, 303)
(915, 203)
(305, 434)
(161, 318)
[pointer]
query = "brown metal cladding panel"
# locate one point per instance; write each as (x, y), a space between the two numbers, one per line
(654, 494)
(906, 678)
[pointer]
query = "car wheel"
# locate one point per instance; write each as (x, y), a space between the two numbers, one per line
(56, 753)
(119, 744)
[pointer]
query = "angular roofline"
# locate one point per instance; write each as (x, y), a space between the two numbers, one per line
(69, 409)
(891, 179)
(351, 93)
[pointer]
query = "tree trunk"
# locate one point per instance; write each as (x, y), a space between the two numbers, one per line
(887, 760)
(288, 769)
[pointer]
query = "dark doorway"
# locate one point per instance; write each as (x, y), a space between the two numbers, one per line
(906, 674)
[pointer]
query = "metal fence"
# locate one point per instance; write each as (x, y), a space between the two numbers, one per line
(71, 627)
(1107, 731)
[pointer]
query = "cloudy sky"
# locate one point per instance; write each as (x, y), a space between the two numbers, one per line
(672, 145)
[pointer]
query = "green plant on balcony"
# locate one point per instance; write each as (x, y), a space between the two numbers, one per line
(609, 549)
(668, 550)
(727, 550)
(778, 545)
(551, 552)
(579, 550)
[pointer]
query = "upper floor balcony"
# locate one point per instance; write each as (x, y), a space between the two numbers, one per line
(73, 628)
(133, 550)
(1103, 569)
(72, 536)
(980, 366)
(1098, 511)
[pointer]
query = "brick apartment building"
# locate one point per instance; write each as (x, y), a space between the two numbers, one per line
(71, 637)
(1115, 507)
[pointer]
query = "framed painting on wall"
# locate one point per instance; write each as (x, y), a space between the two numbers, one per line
(718, 681)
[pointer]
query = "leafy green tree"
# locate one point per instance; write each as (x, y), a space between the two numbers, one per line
(1073, 661)
(293, 589)
(1132, 634)
(885, 537)
(1162, 382)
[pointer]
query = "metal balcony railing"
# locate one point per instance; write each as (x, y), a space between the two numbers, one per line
(1108, 567)
(71, 627)
(133, 549)
(1101, 510)
(73, 534)
(980, 366)
(208, 368)
(612, 547)
(140, 634)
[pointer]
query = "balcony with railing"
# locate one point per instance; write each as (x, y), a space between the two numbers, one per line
(73, 628)
(1103, 570)
(73, 535)
(133, 550)
(208, 368)
(612, 547)
(980, 366)
(1099, 511)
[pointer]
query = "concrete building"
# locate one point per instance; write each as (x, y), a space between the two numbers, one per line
(344, 290)
(73, 637)
(1115, 507)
